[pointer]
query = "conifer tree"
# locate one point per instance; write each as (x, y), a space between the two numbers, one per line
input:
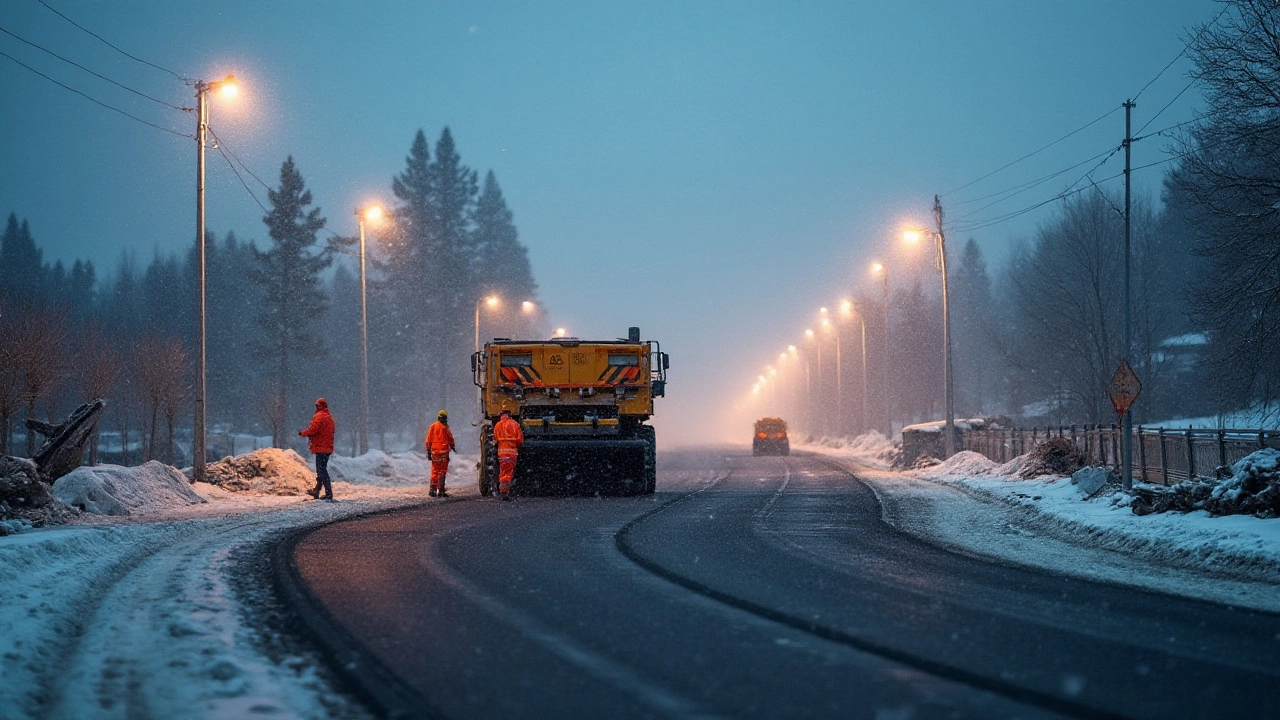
(289, 275)
(22, 268)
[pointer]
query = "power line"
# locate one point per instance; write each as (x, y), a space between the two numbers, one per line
(237, 158)
(101, 77)
(94, 100)
(1185, 47)
(1034, 152)
(1071, 190)
(240, 178)
(113, 47)
(1105, 155)
(1022, 187)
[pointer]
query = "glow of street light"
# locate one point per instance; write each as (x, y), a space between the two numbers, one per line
(822, 311)
(782, 356)
(527, 306)
(826, 322)
(846, 307)
(877, 267)
(228, 88)
(912, 236)
(773, 371)
(561, 332)
(791, 349)
(808, 333)
(492, 301)
(761, 378)
(372, 213)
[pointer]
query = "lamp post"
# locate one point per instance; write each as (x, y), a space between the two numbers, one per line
(835, 329)
(940, 237)
(879, 267)
(227, 87)
(493, 301)
(372, 213)
(846, 309)
(816, 409)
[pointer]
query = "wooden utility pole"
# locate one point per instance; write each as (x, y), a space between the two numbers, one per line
(1126, 420)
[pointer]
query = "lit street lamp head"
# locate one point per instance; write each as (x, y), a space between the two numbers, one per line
(372, 213)
(877, 267)
(846, 307)
(912, 236)
(492, 301)
(228, 87)
(527, 306)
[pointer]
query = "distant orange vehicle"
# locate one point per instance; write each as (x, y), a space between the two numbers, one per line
(771, 437)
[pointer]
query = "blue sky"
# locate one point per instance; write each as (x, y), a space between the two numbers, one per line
(712, 172)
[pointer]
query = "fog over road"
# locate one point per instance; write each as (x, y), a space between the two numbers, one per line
(750, 587)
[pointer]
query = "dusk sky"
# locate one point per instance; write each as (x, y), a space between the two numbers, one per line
(711, 172)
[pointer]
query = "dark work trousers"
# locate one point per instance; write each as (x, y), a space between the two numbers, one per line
(322, 474)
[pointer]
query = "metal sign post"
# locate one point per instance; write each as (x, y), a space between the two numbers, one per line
(1124, 389)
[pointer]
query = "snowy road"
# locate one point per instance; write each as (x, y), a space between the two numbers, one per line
(754, 587)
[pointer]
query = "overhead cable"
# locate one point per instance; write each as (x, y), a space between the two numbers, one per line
(95, 100)
(113, 47)
(122, 86)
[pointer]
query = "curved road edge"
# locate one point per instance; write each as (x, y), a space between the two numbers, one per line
(1108, 563)
(363, 674)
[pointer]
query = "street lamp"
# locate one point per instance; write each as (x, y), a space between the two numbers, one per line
(492, 301)
(847, 310)
(227, 88)
(817, 409)
(835, 328)
(914, 235)
(879, 267)
(371, 213)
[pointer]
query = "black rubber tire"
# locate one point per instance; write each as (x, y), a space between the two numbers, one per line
(487, 473)
(650, 436)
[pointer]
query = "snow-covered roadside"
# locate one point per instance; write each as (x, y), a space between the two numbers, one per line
(1045, 523)
(147, 614)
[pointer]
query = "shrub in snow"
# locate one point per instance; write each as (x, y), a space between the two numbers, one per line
(20, 485)
(1252, 489)
(116, 490)
(269, 471)
(1055, 456)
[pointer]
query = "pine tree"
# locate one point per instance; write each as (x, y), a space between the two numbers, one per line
(22, 270)
(455, 291)
(502, 263)
(971, 305)
(289, 276)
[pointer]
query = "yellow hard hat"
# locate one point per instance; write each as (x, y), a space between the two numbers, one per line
(442, 414)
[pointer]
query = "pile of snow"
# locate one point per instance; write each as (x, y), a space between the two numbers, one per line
(965, 462)
(269, 471)
(116, 490)
(379, 468)
(1252, 489)
(870, 447)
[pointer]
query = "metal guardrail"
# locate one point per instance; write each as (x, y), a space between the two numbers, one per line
(1162, 455)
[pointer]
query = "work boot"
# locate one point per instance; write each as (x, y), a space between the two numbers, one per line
(442, 493)
(431, 492)
(326, 497)
(506, 497)
(314, 493)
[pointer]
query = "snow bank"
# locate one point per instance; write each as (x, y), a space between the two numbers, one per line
(965, 462)
(1252, 489)
(871, 447)
(116, 490)
(269, 471)
(379, 468)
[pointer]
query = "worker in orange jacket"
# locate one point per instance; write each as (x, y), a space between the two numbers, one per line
(439, 444)
(509, 437)
(321, 432)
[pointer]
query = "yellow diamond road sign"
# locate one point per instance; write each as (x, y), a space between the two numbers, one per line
(1124, 388)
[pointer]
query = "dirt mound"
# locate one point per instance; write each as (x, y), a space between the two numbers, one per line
(1056, 456)
(1252, 489)
(25, 501)
(925, 461)
(269, 471)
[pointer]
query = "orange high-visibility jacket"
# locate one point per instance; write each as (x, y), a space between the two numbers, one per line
(508, 435)
(439, 439)
(320, 431)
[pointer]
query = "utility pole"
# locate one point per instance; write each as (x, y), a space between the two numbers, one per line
(949, 441)
(198, 424)
(1126, 421)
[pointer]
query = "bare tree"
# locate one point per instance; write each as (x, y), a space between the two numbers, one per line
(275, 407)
(174, 360)
(98, 369)
(161, 364)
(10, 375)
(40, 336)
(1231, 178)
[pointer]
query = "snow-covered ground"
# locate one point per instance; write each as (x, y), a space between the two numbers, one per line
(979, 507)
(159, 612)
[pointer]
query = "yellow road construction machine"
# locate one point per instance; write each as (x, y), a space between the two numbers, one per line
(582, 405)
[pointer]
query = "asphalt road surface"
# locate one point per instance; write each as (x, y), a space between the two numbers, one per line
(753, 588)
